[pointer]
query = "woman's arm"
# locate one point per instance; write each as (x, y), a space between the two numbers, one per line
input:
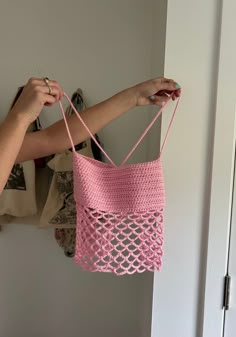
(12, 131)
(55, 139)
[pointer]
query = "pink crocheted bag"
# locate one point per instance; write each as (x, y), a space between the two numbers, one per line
(119, 210)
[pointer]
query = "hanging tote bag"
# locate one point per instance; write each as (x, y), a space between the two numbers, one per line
(59, 210)
(119, 210)
(18, 198)
(65, 237)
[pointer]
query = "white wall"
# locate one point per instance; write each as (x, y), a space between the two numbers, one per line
(102, 47)
(191, 57)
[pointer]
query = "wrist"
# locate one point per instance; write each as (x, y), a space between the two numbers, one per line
(129, 97)
(18, 120)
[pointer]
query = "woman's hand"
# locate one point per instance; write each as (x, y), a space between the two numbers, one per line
(26, 107)
(156, 91)
(36, 94)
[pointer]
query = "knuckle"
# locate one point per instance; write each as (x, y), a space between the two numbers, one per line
(158, 81)
(54, 83)
(36, 88)
(31, 80)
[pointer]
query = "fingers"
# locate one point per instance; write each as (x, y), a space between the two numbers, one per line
(166, 80)
(50, 100)
(55, 84)
(52, 91)
(166, 87)
(48, 86)
(159, 100)
(43, 90)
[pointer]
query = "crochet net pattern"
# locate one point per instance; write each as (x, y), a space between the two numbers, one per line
(119, 210)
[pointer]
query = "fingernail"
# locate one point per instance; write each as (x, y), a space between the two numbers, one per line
(177, 86)
(152, 98)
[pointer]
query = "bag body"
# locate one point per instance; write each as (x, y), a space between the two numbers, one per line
(119, 210)
(18, 198)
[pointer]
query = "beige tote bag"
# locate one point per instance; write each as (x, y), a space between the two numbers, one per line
(59, 210)
(18, 197)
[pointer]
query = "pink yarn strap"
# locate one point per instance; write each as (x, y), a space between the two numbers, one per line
(170, 124)
(149, 127)
(67, 127)
(83, 123)
(136, 144)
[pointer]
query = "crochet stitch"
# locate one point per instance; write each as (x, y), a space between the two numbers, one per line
(119, 210)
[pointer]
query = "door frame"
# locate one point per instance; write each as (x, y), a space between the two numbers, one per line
(222, 177)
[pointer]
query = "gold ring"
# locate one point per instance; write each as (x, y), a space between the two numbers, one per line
(46, 80)
(50, 89)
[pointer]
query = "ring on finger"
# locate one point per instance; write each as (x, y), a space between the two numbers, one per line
(50, 89)
(46, 80)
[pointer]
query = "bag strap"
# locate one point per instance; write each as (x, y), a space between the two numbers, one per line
(83, 123)
(169, 126)
(149, 127)
(136, 144)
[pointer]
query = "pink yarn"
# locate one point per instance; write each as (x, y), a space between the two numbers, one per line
(119, 210)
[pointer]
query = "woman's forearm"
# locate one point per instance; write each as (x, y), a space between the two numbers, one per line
(12, 133)
(55, 139)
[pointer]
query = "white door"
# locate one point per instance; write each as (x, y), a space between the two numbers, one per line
(218, 320)
(229, 327)
(199, 165)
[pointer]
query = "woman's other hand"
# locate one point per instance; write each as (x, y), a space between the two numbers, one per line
(156, 91)
(36, 94)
